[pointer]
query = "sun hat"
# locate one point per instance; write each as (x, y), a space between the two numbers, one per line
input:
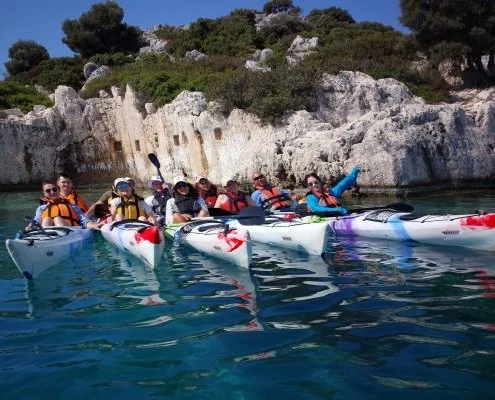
(179, 178)
(119, 180)
(154, 178)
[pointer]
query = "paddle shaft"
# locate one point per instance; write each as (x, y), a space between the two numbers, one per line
(154, 160)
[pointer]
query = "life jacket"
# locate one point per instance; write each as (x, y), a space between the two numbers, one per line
(210, 197)
(272, 198)
(130, 208)
(325, 199)
(234, 203)
(75, 199)
(61, 208)
(187, 204)
(159, 202)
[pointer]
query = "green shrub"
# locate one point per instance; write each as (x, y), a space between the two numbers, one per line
(16, 95)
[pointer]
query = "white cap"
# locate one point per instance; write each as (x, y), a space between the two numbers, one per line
(119, 180)
(154, 178)
(178, 179)
(131, 181)
(225, 181)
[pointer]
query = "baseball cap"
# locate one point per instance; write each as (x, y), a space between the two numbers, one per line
(154, 178)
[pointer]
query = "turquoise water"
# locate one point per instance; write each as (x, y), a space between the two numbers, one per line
(372, 320)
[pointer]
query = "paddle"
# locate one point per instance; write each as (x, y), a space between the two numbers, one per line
(400, 207)
(154, 160)
(34, 223)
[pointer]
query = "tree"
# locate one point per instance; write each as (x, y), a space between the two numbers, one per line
(276, 6)
(327, 19)
(100, 30)
(455, 29)
(24, 55)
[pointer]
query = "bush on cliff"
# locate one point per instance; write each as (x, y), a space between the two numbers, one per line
(16, 95)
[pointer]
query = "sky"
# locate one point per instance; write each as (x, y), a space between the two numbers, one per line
(41, 21)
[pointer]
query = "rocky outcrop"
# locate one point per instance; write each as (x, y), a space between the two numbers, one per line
(400, 143)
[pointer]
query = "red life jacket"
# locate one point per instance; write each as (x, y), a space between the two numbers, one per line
(273, 198)
(234, 203)
(325, 199)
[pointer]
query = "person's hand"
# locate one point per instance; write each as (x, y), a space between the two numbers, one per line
(187, 217)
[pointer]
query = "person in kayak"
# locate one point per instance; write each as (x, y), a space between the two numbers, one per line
(233, 199)
(185, 203)
(64, 182)
(207, 191)
(128, 205)
(268, 196)
(57, 211)
(319, 199)
(158, 199)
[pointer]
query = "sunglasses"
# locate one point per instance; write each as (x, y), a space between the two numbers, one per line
(181, 185)
(51, 190)
(258, 177)
(123, 186)
(314, 183)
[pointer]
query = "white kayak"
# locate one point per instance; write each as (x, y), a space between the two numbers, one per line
(468, 230)
(291, 233)
(35, 251)
(214, 239)
(141, 239)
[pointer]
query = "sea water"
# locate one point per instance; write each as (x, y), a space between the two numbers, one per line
(372, 319)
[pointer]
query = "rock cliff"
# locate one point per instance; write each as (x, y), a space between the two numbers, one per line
(399, 142)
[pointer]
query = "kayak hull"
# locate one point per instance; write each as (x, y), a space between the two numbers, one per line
(138, 238)
(214, 239)
(298, 235)
(470, 231)
(35, 251)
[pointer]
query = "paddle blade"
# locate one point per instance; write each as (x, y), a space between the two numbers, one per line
(252, 215)
(401, 207)
(154, 160)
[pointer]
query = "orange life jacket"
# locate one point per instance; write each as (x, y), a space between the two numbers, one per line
(74, 198)
(273, 198)
(234, 203)
(61, 208)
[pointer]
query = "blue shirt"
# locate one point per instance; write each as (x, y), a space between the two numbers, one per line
(337, 191)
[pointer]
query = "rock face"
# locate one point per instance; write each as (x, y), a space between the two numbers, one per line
(400, 143)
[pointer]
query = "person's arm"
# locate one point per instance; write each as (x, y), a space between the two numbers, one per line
(256, 196)
(221, 199)
(170, 211)
(249, 201)
(312, 203)
(204, 208)
(37, 216)
(345, 184)
(84, 221)
(148, 211)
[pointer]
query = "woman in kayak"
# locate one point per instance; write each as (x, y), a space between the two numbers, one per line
(233, 199)
(128, 205)
(57, 211)
(320, 199)
(207, 191)
(185, 203)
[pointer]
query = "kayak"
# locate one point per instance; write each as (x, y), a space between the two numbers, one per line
(141, 239)
(475, 231)
(36, 250)
(214, 239)
(295, 234)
